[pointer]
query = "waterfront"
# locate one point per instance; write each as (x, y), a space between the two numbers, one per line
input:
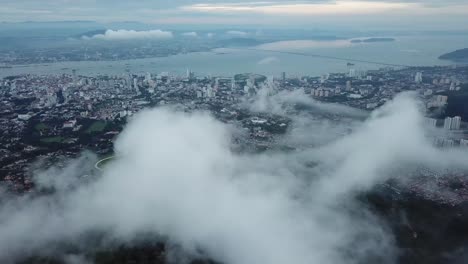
(414, 51)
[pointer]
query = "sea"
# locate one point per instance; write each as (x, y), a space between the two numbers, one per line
(270, 59)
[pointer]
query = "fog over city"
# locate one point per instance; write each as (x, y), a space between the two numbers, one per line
(233, 132)
(176, 178)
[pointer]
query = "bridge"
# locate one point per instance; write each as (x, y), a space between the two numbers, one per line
(329, 57)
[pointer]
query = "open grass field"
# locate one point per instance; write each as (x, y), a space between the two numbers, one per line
(97, 126)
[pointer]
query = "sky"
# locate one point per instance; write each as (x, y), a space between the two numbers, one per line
(390, 14)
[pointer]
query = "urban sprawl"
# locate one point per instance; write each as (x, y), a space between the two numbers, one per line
(52, 116)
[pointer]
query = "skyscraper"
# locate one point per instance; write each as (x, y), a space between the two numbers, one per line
(456, 122)
(348, 86)
(448, 123)
(431, 122)
(418, 77)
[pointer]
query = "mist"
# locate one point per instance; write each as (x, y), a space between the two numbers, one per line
(176, 177)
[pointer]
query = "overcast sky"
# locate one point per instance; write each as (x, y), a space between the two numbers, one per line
(419, 14)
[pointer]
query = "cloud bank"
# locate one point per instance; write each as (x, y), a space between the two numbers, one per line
(190, 34)
(123, 34)
(237, 33)
(176, 177)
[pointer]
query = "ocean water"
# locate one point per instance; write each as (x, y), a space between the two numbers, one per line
(413, 51)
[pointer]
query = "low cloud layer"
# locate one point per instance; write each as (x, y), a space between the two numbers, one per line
(237, 33)
(176, 176)
(123, 34)
(190, 34)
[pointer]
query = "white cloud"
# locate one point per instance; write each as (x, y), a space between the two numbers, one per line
(190, 34)
(237, 33)
(123, 34)
(327, 8)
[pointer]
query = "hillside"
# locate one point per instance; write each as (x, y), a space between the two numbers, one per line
(460, 55)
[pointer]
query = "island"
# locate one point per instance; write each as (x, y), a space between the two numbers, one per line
(370, 40)
(460, 55)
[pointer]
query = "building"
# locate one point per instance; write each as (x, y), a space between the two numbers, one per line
(464, 142)
(431, 122)
(452, 123)
(448, 123)
(418, 77)
(348, 86)
(456, 122)
(69, 124)
(25, 117)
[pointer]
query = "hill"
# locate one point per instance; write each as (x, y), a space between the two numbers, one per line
(460, 55)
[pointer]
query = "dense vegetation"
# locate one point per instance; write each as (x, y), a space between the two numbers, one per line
(458, 55)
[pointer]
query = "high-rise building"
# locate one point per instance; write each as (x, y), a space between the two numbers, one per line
(148, 77)
(448, 123)
(431, 122)
(456, 122)
(283, 76)
(233, 83)
(74, 77)
(418, 77)
(464, 142)
(348, 86)
(448, 143)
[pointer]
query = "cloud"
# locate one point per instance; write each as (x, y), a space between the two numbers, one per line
(267, 60)
(237, 33)
(190, 34)
(319, 117)
(176, 176)
(123, 34)
(320, 8)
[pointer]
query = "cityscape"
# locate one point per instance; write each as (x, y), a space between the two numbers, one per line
(57, 115)
(233, 132)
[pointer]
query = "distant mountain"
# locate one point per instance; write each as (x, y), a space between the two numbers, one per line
(370, 40)
(460, 55)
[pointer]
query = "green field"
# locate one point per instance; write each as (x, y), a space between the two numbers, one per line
(97, 126)
(41, 127)
(52, 140)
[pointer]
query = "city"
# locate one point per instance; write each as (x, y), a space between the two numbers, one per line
(233, 132)
(60, 115)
